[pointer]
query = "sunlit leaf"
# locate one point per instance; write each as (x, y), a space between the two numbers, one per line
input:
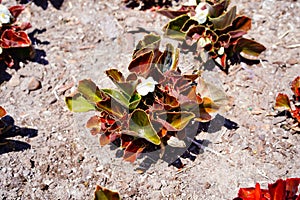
(78, 103)
(133, 150)
(140, 124)
(11, 38)
(173, 28)
(141, 65)
(94, 124)
(134, 101)
(2, 112)
(102, 193)
(296, 87)
(225, 19)
(111, 106)
(277, 190)
(249, 47)
(175, 121)
(118, 96)
(150, 42)
(89, 90)
(282, 102)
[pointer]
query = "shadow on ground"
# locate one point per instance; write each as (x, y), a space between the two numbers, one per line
(10, 130)
(173, 156)
(45, 3)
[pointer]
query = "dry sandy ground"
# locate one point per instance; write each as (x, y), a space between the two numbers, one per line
(52, 155)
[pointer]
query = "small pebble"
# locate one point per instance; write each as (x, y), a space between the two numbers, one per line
(34, 84)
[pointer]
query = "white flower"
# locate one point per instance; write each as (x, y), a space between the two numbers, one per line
(146, 86)
(202, 11)
(191, 3)
(221, 51)
(5, 15)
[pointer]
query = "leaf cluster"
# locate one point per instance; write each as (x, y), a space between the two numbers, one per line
(152, 121)
(14, 41)
(221, 35)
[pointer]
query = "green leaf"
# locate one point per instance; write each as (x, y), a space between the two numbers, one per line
(141, 125)
(89, 90)
(225, 19)
(118, 96)
(102, 193)
(282, 102)
(175, 121)
(127, 86)
(174, 27)
(112, 106)
(134, 101)
(150, 42)
(249, 47)
(78, 103)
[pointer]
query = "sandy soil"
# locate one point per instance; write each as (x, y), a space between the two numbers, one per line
(50, 155)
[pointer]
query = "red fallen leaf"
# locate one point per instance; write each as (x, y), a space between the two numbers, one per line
(2, 112)
(16, 10)
(11, 38)
(296, 86)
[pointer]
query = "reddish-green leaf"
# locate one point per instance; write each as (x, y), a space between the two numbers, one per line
(102, 193)
(225, 19)
(16, 10)
(292, 187)
(94, 124)
(174, 27)
(141, 65)
(150, 42)
(175, 121)
(249, 47)
(296, 87)
(133, 150)
(282, 102)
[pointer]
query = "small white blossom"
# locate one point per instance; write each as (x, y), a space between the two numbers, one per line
(202, 11)
(221, 51)
(5, 15)
(146, 86)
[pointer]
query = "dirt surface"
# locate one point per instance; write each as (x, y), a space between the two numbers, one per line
(52, 156)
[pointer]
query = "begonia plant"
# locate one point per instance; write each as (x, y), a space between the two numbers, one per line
(152, 107)
(208, 26)
(280, 190)
(291, 106)
(14, 41)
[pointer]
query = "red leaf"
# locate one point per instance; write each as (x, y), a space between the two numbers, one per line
(141, 64)
(277, 190)
(2, 112)
(296, 86)
(253, 193)
(11, 38)
(133, 150)
(16, 10)
(292, 187)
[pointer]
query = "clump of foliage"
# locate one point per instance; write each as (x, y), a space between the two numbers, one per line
(102, 193)
(280, 190)
(14, 41)
(2, 123)
(208, 26)
(154, 106)
(291, 106)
